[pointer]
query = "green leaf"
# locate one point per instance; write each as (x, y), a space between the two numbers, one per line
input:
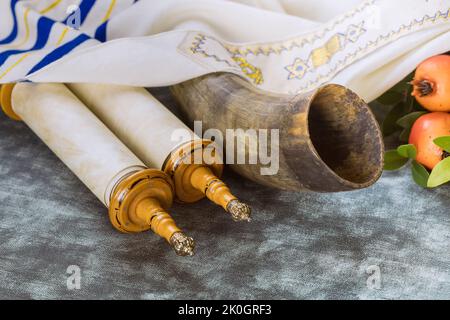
(404, 135)
(416, 105)
(401, 87)
(390, 122)
(393, 161)
(440, 174)
(408, 120)
(390, 98)
(443, 142)
(420, 174)
(407, 151)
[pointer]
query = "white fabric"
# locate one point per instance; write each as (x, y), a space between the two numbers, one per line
(282, 46)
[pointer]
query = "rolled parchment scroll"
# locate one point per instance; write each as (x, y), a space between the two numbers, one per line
(161, 140)
(137, 197)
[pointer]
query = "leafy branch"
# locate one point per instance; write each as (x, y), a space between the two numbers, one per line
(398, 158)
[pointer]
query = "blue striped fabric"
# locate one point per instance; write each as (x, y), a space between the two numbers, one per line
(85, 7)
(59, 52)
(42, 21)
(100, 33)
(14, 30)
(44, 27)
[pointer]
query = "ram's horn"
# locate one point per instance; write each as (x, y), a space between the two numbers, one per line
(329, 139)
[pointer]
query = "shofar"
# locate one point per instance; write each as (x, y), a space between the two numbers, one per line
(329, 138)
(137, 197)
(147, 128)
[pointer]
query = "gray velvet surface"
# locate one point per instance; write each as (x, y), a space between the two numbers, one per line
(299, 245)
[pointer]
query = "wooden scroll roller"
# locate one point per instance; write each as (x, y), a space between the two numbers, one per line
(147, 128)
(329, 138)
(137, 197)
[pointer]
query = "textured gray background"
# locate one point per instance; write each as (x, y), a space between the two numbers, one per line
(299, 246)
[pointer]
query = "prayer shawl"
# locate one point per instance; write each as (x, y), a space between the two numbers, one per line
(284, 46)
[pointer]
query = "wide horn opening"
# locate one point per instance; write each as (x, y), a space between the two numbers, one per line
(346, 136)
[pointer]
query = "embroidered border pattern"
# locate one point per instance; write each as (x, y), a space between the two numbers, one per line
(250, 71)
(196, 48)
(322, 55)
(319, 56)
(238, 54)
(382, 39)
(296, 42)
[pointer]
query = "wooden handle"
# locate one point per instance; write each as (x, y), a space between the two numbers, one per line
(329, 138)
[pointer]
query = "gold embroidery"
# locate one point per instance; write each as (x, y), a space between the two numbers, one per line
(381, 40)
(250, 70)
(296, 42)
(322, 55)
(297, 69)
(319, 56)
